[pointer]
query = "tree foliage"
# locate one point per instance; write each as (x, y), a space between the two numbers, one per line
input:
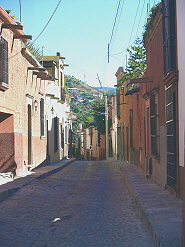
(98, 108)
(153, 12)
(136, 62)
(36, 52)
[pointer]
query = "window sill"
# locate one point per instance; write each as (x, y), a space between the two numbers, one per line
(3, 86)
(42, 137)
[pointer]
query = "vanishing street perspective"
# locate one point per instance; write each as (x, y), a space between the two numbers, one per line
(92, 123)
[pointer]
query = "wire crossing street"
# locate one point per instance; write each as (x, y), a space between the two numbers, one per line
(86, 204)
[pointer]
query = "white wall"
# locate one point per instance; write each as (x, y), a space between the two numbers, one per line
(180, 4)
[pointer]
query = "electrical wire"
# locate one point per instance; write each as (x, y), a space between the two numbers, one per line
(115, 19)
(47, 22)
(125, 50)
(134, 23)
(119, 17)
(140, 19)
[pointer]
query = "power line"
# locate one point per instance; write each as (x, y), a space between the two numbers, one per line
(48, 21)
(99, 80)
(115, 22)
(114, 25)
(140, 18)
(134, 23)
(125, 50)
(119, 17)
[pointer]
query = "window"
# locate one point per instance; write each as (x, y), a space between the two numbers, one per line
(66, 134)
(131, 128)
(62, 88)
(118, 103)
(153, 125)
(42, 117)
(91, 134)
(99, 139)
(122, 92)
(169, 50)
(55, 134)
(62, 136)
(62, 94)
(171, 136)
(3, 63)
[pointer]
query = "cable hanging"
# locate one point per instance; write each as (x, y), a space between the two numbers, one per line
(114, 25)
(48, 21)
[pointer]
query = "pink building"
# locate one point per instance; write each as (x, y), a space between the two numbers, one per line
(22, 100)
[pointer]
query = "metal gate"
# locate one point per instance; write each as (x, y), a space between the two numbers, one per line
(171, 137)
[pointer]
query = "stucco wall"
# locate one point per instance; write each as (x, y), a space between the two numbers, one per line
(180, 6)
(14, 101)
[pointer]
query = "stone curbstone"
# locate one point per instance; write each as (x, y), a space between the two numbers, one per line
(156, 239)
(4, 194)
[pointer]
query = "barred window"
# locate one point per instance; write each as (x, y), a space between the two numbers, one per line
(169, 49)
(131, 128)
(3, 60)
(118, 103)
(153, 125)
(62, 136)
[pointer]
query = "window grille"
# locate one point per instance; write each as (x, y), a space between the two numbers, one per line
(169, 50)
(118, 103)
(153, 125)
(62, 136)
(3, 60)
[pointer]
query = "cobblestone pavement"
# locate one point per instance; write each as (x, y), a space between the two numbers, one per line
(84, 205)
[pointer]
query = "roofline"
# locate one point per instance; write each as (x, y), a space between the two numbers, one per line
(5, 17)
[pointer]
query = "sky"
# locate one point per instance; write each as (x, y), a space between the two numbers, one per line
(81, 30)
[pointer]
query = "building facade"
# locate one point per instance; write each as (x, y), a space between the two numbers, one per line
(59, 124)
(113, 130)
(180, 10)
(22, 99)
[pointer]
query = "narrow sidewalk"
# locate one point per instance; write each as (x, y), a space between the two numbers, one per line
(44, 171)
(162, 212)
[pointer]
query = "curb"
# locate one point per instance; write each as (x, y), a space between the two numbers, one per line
(47, 174)
(160, 239)
(146, 220)
(7, 190)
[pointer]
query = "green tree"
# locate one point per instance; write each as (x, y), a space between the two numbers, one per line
(98, 108)
(136, 62)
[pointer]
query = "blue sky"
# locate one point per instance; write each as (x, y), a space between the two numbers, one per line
(81, 31)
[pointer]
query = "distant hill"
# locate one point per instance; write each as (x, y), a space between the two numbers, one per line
(72, 82)
(106, 88)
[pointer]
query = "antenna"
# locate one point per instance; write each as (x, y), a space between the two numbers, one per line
(99, 80)
(20, 9)
(85, 78)
(108, 52)
(126, 61)
(42, 54)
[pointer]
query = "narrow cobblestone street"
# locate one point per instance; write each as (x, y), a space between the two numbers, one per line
(85, 204)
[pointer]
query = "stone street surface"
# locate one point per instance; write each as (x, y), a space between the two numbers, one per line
(85, 204)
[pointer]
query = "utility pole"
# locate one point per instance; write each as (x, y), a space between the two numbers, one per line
(106, 129)
(42, 54)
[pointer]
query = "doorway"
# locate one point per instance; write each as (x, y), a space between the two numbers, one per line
(29, 136)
